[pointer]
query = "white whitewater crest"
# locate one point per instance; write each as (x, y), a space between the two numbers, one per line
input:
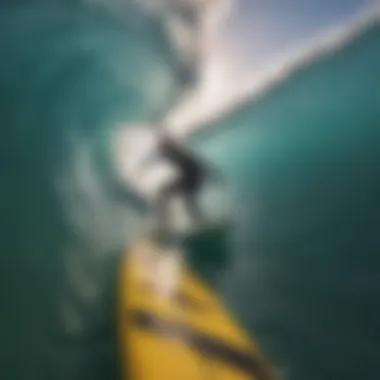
(192, 24)
(193, 27)
(260, 82)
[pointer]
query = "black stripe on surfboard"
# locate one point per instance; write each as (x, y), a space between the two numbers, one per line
(208, 346)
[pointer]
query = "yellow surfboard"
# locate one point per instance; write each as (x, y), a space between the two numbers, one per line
(185, 334)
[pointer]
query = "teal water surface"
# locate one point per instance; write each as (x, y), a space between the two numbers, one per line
(303, 268)
(69, 75)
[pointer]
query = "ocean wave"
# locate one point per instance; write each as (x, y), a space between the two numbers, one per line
(331, 41)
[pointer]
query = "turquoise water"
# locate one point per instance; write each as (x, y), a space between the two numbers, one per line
(303, 164)
(300, 269)
(68, 77)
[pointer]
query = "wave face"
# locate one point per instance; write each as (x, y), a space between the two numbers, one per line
(303, 163)
(69, 74)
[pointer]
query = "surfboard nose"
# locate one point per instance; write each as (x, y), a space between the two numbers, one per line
(179, 329)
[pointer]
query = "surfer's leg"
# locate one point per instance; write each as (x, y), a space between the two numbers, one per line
(190, 187)
(165, 196)
(191, 201)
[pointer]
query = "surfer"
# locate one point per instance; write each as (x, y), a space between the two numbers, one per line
(187, 185)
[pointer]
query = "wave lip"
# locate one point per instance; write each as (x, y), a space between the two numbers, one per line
(322, 46)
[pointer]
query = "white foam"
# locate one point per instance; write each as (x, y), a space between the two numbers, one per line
(327, 43)
(168, 274)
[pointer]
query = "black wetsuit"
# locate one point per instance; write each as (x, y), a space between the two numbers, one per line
(188, 183)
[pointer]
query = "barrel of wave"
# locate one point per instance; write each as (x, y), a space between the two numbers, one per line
(69, 79)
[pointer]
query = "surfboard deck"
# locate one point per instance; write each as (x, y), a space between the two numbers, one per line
(188, 335)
